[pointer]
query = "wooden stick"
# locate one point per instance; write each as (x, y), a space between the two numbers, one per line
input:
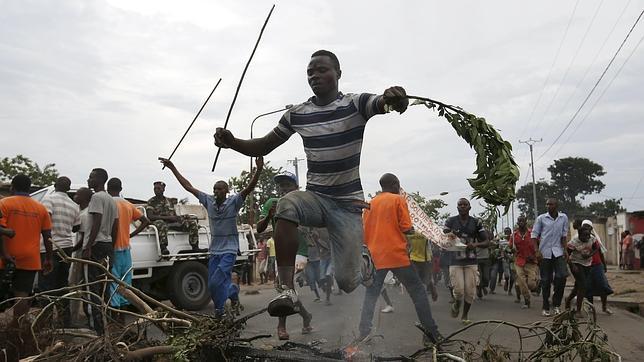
(193, 120)
(230, 110)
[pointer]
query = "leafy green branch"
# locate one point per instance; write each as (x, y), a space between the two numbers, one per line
(496, 171)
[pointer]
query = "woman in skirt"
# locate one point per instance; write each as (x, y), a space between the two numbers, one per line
(598, 283)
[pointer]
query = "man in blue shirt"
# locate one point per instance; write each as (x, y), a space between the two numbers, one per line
(224, 243)
(549, 234)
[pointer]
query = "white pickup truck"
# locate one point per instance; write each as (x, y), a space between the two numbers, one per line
(181, 276)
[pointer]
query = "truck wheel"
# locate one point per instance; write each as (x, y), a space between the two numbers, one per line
(188, 286)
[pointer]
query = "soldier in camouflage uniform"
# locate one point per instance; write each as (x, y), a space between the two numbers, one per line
(160, 211)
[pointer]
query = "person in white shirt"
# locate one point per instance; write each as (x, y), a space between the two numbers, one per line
(65, 219)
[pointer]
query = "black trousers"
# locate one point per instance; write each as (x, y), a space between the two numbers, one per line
(102, 252)
(56, 279)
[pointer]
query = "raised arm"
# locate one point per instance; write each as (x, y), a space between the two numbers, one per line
(182, 180)
(253, 147)
(259, 162)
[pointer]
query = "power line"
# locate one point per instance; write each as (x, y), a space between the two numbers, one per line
(583, 78)
(572, 61)
(594, 87)
(545, 83)
(600, 96)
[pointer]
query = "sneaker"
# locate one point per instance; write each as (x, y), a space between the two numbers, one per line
(368, 268)
(545, 313)
(284, 304)
(388, 309)
(525, 305)
(608, 311)
(556, 311)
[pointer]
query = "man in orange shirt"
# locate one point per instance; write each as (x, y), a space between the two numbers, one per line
(385, 224)
(122, 264)
(29, 220)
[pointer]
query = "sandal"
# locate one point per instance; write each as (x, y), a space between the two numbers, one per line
(282, 334)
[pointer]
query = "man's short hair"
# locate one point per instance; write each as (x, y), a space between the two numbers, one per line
(102, 174)
(388, 180)
(334, 59)
(158, 183)
(21, 183)
(63, 183)
(114, 184)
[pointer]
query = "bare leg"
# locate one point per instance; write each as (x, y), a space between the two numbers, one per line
(286, 244)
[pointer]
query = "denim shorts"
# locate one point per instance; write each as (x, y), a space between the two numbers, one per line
(343, 220)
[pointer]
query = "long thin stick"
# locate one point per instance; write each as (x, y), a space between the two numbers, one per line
(230, 110)
(193, 120)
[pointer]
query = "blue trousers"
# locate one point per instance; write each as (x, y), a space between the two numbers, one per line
(121, 269)
(220, 268)
(416, 290)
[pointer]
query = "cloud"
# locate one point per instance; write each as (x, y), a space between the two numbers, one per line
(115, 84)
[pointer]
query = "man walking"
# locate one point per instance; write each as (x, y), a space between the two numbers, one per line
(386, 222)
(29, 220)
(525, 261)
(65, 219)
(463, 267)
(549, 234)
(332, 126)
(122, 265)
(161, 212)
(224, 243)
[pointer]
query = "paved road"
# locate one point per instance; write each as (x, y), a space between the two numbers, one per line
(337, 324)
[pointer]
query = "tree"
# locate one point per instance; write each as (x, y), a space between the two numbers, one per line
(265, 189)
(525, 197)
(10, 167)
(573, 177)
(431, 207)
(605, 208)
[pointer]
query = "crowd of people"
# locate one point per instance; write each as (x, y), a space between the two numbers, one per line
(326, 234)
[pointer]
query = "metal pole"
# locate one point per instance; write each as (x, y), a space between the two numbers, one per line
(530, 143)
(534, 185)
(251, 209)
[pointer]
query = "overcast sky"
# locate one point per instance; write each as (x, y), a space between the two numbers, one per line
(114, 84)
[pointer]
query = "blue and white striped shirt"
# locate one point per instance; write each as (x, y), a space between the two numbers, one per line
(332, 136)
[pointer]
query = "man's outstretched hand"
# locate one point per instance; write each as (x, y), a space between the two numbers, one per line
(224, 138)
(396, 98)
(166, 163)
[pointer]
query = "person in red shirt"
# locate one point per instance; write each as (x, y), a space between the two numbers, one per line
(525, 261)
(29, 220)
(386, 222)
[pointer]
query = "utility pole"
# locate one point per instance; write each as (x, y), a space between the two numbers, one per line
(530, 143)
(295, 162)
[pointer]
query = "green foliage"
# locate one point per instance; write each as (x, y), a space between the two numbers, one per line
(265, 189)
(571, 178)
(605, 208)
(431, 207)
(496, 171)
(10, 167)
(575, 176)
(544, 191)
